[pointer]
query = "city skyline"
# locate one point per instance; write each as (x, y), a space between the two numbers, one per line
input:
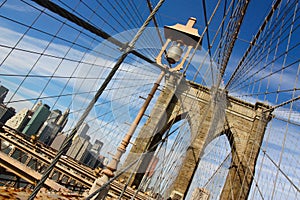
(48, 127)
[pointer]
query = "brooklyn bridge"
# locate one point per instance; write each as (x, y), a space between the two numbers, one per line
(149, 99)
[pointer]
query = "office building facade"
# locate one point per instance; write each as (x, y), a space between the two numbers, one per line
(37, 119)
(6, 113)
(19, 120)
(3, 93)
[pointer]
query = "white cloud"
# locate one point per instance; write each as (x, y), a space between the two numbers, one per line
(17, 7)
(130, 80)
(287, 114)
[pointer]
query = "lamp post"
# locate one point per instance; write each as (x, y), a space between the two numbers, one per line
(180, 36)
(180, 40)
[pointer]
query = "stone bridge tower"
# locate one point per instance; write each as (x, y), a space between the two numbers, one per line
(210, 113)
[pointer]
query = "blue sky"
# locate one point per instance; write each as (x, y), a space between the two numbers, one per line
(92, 51)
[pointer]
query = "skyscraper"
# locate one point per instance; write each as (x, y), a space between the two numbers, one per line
(49, 129)
(19, 121)
(83, 129)
(54, 124)
(36, 121)
(47, 132)
(80, 144)
(3, 93)
(92, 158)
(54, 116)
(58, 141)
(36, 106)
(6, 113)
(97, 147)
(79, 148)
(62, 121)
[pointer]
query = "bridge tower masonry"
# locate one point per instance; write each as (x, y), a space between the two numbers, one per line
(210, 113)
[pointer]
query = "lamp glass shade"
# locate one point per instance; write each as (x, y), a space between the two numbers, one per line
(174, 54)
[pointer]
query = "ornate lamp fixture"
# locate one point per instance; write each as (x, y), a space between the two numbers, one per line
(180, 40)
